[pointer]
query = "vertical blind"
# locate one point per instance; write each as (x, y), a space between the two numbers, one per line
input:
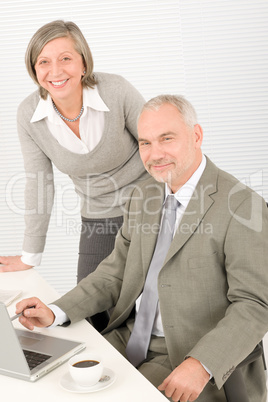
(213, 52)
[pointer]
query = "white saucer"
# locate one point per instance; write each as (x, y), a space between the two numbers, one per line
(107, 379)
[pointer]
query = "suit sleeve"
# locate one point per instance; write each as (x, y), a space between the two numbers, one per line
(100, 290)
(245, 322)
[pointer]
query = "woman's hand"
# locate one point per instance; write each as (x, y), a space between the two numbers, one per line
(12, 264)
(34, 313)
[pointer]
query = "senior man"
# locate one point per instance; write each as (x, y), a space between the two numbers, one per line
(188, 275)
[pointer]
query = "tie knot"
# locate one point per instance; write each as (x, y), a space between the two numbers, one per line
(171, 203)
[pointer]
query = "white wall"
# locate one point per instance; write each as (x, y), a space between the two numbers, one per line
(214, 52)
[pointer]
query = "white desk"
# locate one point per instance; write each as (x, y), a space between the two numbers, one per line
(129, 386)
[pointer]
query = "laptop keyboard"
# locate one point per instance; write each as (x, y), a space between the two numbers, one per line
(34, 358)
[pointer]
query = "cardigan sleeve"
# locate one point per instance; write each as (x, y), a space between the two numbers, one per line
(39, 187)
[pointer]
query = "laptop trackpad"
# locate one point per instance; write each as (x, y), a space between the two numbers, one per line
(28, 340)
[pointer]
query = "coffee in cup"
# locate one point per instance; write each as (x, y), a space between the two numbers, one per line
(86, 368)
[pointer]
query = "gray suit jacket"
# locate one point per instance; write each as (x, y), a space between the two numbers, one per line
(213, 287)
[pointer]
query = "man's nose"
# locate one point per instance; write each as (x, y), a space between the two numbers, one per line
(157, 152)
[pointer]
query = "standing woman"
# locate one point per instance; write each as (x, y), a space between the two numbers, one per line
(85, 124)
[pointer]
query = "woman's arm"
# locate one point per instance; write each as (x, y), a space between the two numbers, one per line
(39, 192)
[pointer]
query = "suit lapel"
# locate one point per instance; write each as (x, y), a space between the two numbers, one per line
(198, 206)
(150, 223)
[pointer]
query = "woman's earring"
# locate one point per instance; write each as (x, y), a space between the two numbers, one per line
(84, 72)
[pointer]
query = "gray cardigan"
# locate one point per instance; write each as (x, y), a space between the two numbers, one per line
(103, 178)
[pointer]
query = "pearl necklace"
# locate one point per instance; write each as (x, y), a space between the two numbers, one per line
(65, 118)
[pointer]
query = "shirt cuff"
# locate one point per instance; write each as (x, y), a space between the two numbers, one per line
(32, 259)
(60, 316)
(207, 370)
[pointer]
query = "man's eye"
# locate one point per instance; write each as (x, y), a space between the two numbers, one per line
(142, 144)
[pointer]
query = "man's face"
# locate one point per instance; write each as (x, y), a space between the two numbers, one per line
(170, 150)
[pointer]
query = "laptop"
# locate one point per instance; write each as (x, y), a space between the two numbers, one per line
(30, 355)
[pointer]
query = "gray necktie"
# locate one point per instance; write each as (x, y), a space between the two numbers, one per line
(139, 340)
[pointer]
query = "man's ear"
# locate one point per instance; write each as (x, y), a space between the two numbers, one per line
(198, 135)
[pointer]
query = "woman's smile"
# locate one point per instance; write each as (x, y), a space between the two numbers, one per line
(58, 83)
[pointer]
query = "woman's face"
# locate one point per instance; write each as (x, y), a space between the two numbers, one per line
(59, 69)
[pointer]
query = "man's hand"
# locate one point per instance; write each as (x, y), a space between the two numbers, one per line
(13, 263)
(38, 316)
(186, 382)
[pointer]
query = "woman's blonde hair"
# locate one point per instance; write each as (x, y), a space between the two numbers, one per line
(54, 30)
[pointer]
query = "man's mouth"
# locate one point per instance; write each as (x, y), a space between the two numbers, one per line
(159, 166)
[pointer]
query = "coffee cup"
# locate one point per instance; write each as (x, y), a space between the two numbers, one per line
(86, 368)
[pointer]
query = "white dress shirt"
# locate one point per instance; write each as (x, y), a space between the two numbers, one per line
(91, 125)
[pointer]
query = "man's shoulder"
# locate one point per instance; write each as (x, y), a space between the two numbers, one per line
(229, 189)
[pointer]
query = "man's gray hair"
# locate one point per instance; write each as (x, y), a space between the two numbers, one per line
(183, 105)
